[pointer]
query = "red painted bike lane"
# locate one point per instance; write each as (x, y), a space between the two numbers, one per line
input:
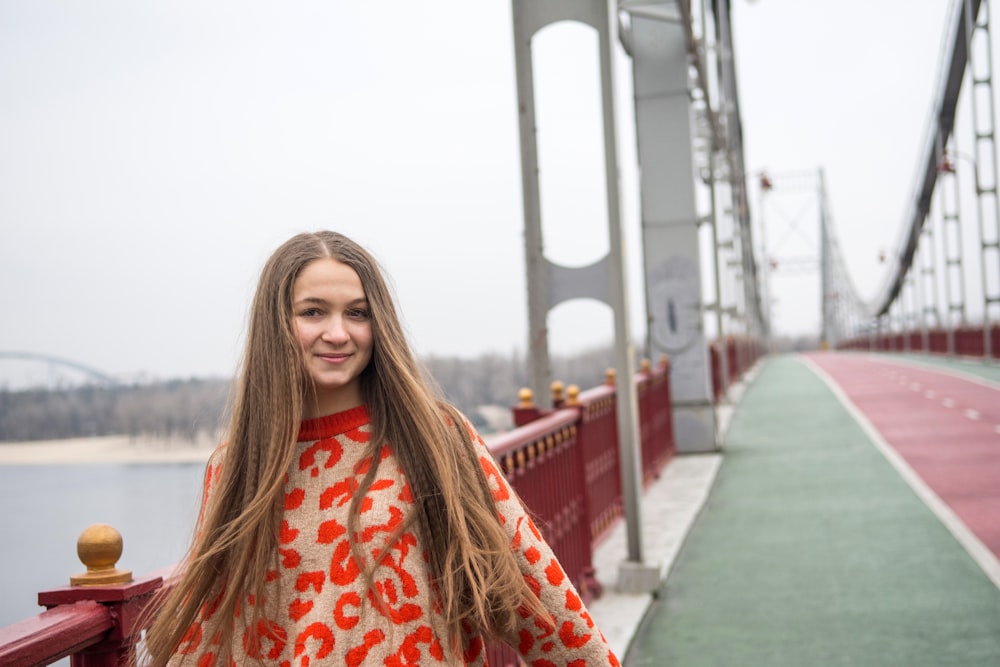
(945, 426)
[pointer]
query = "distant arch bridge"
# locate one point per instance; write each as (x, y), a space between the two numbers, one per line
(91, 373)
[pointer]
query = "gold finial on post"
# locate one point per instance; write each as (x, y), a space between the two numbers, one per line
(557, 392)
(664, 359)
(99, 548)
(526, 398)
(572, 395)
(610, 377)
(645, 366)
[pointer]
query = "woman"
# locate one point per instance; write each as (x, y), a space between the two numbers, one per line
(352, 517)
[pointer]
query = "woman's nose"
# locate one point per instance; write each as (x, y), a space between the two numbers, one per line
(334, 330)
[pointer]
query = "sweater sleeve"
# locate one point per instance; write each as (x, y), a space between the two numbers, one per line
(210, 483)
(570, 639)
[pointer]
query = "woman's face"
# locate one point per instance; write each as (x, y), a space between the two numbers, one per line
(332, 324)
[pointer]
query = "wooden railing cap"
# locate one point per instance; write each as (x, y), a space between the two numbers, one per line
(526, 398)
(99, 548)
(557, 391)
(572, 395)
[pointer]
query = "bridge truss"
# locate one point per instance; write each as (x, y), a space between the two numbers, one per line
(92, 375)
(944, 277)
(700, 269)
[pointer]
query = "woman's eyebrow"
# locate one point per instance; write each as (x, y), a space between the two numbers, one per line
(322, 301)
(310, 300)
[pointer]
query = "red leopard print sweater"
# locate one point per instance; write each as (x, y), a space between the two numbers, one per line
(318, 609)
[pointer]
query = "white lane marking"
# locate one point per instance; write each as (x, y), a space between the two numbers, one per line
(930, 393)
(972, 414)
(948, 403)
(952, 372)
(915, 386)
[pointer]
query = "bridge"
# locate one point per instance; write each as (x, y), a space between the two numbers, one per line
(55, 366)
(836, 507)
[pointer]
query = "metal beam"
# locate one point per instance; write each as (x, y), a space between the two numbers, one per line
(938, 134)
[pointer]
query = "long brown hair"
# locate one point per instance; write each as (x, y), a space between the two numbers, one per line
(475, 574)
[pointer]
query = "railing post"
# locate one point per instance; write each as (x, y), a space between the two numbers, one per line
(588, 585)
(715, 361)
(558, 399)
(525, 411)
(99, 548)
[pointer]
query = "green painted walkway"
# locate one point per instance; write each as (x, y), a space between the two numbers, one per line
(812, 551)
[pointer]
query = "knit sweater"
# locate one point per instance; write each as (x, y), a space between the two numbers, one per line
(319, 610)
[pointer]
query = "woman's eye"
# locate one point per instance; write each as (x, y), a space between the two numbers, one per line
(309, 312)
(358, 313)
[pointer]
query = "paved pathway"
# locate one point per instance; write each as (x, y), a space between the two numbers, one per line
(813, 548)
(939, 425)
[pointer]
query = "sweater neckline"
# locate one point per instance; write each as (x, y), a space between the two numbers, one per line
(332, 425)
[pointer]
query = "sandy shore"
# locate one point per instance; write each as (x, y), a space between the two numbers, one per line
(109, 449)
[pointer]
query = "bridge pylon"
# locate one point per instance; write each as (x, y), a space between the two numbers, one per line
(549, 284)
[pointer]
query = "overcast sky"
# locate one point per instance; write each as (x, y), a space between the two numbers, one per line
(153, 154)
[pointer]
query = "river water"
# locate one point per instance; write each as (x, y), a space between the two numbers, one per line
(44, 508)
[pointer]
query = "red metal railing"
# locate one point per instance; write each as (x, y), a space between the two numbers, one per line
(656, 427)
(965, 341)
(740, 354)
(93, 625)
(562, 462)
